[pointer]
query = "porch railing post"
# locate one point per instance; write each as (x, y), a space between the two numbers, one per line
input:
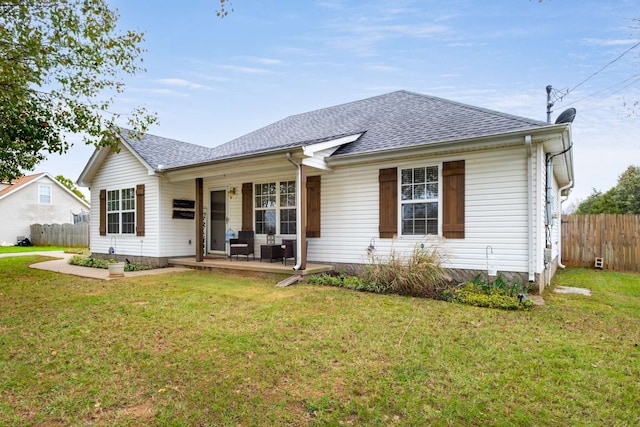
(302, 185)
(199, 221)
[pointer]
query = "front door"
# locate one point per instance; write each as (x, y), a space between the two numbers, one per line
(217, 216)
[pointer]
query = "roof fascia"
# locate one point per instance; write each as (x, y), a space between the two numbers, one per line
(229, 166)
(20, 187)
(563, 167)
(465, 144)
(99, 155)
(150, 169)
(329, 146)
(92, 166)
(318, 153)
(55, 181)
(64, 188)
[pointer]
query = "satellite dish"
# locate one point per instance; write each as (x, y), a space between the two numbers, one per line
(566, 116)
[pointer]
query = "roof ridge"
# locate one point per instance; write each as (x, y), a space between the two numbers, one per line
(133, 133)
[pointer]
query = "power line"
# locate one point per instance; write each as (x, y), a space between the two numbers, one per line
(635, 78)
(603, 68)
(559, 95)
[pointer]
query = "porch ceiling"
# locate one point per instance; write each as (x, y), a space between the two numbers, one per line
(243, 167)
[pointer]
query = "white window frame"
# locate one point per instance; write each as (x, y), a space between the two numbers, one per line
(272, 196)
(41, 187)
(402, 186)
(121, 207)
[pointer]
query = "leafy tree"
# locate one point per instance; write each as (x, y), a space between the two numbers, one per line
(624, 198)
(71, 186)
(225, 7)
(61, 64)
(627, 192)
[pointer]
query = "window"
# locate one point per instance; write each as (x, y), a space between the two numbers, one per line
(44, 194)
(288, 207)
(419, 200)
(121, 214)
(275, 208)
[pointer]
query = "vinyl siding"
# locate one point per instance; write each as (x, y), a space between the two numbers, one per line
(123, 170)
(178, 235)
(22, 208)
(496, 211)
(495, 204)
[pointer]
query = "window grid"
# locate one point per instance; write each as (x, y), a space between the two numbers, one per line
(419, 195)
(275, 208)
(121, 215)
(44, 194)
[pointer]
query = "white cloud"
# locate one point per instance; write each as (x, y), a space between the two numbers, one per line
(245, 70)
(156, 91)
(383, 68)
(181, 83)
(334, 5)
(610, 42)
(264, 61)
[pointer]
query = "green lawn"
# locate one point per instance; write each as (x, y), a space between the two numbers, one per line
(16, 249)
(200, 349)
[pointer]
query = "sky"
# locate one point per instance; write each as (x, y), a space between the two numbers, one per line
(211, 80)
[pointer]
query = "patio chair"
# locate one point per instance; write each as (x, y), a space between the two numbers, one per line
(288, 250)
(243, 245)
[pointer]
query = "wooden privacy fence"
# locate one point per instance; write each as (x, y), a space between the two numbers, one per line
(614, 238)
(71, 235)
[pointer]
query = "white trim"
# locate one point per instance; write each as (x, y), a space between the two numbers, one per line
(40, 187)
(58, 183)
(311, 150)
(412, 166)
(318, 153)
(98, 157)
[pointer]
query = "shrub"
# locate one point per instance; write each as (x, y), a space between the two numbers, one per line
(497, 294)
(84, 261)
(420, 274)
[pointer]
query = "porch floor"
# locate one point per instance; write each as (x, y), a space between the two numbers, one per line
(219, 263)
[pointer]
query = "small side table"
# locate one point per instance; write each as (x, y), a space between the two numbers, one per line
(271, 252)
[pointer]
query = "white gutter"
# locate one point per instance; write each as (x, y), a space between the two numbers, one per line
(527, 144)
(298, 212)
(562, 200)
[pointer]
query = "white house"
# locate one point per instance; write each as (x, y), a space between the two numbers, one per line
(387, 172)
(35, 199)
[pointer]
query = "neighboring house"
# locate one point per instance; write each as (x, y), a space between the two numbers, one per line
(391, 172)
(35, 199)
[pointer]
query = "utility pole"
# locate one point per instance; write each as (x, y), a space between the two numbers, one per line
(549, 104)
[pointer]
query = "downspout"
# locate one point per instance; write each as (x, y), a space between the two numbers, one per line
(298, 212)
(527, 144)
(548, 217)
(562, 200)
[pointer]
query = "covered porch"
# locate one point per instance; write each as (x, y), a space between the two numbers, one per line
(256, 266)
(274, 196)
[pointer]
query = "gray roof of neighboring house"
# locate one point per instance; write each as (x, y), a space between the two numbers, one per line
(394, 120)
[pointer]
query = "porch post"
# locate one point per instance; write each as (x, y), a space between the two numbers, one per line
(199, 221)
(302, 186)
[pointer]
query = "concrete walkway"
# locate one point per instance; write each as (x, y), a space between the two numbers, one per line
(62, 266)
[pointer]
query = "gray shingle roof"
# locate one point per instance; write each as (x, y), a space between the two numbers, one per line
(394, 120)
(156, 150)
